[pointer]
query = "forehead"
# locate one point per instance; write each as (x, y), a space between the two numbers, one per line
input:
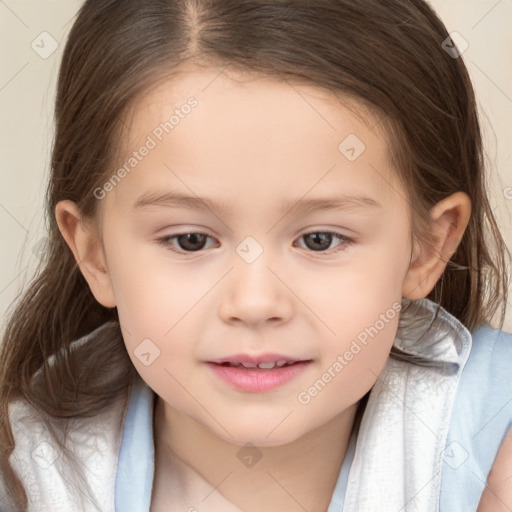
(251, 134)
(249, 93)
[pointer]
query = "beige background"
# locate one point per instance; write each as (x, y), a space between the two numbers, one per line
(27, 86)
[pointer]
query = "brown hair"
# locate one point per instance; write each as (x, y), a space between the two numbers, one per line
(385, 55)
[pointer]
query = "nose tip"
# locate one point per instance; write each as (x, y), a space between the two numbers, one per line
(252, 311)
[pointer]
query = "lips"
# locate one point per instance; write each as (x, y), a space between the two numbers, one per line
(257, 374)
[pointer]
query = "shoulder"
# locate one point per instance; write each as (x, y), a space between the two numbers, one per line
(492, 343)
(496, 348)
(497, 496)
(67, 463)
(485, 382)
(480, 418)
(487, 370)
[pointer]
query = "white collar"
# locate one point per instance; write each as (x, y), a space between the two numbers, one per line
(401, 441)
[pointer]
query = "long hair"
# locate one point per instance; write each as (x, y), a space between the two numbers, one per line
(387, 56)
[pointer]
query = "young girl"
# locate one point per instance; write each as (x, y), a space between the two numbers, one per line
(271, 270)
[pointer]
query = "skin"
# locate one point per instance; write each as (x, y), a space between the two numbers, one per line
(254, 144)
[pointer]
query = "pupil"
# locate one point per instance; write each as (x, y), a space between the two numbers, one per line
(190, 241)
(323, 239)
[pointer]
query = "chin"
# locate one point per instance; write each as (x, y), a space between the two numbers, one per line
(261, 435)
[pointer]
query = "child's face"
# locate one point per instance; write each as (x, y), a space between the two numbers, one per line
(257, 285)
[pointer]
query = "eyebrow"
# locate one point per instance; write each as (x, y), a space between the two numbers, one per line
(177, 200)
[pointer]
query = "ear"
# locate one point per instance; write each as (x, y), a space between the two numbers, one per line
(449, 219)
(84, 241)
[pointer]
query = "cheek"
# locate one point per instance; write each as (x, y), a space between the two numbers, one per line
(363, 310)
(155, 304)
(151, 292)
(356, 295)
(364, 338)
(350, 366)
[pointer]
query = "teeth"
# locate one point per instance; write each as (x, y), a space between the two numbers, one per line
(263, 366)
(249, 365)
(267, 366)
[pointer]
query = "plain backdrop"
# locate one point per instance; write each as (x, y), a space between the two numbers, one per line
(32, 37)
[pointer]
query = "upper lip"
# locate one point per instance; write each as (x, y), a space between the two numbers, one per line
(256, 359)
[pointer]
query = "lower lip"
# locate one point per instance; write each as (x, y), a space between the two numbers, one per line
(257, 381)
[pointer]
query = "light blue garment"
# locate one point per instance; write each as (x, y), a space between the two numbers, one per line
(135, 470)
(480, 417)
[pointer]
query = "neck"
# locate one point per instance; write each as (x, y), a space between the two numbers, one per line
(298, 476)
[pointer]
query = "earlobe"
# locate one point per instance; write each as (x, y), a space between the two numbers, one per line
(84, 242)
(449, 219)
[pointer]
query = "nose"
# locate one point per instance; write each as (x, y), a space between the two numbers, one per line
(255, 294)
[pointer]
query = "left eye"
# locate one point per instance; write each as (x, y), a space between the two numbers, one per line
(318, 241)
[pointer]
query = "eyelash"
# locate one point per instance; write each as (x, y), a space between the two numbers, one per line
(166, 241)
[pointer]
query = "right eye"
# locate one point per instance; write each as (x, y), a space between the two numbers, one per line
(187, 242)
